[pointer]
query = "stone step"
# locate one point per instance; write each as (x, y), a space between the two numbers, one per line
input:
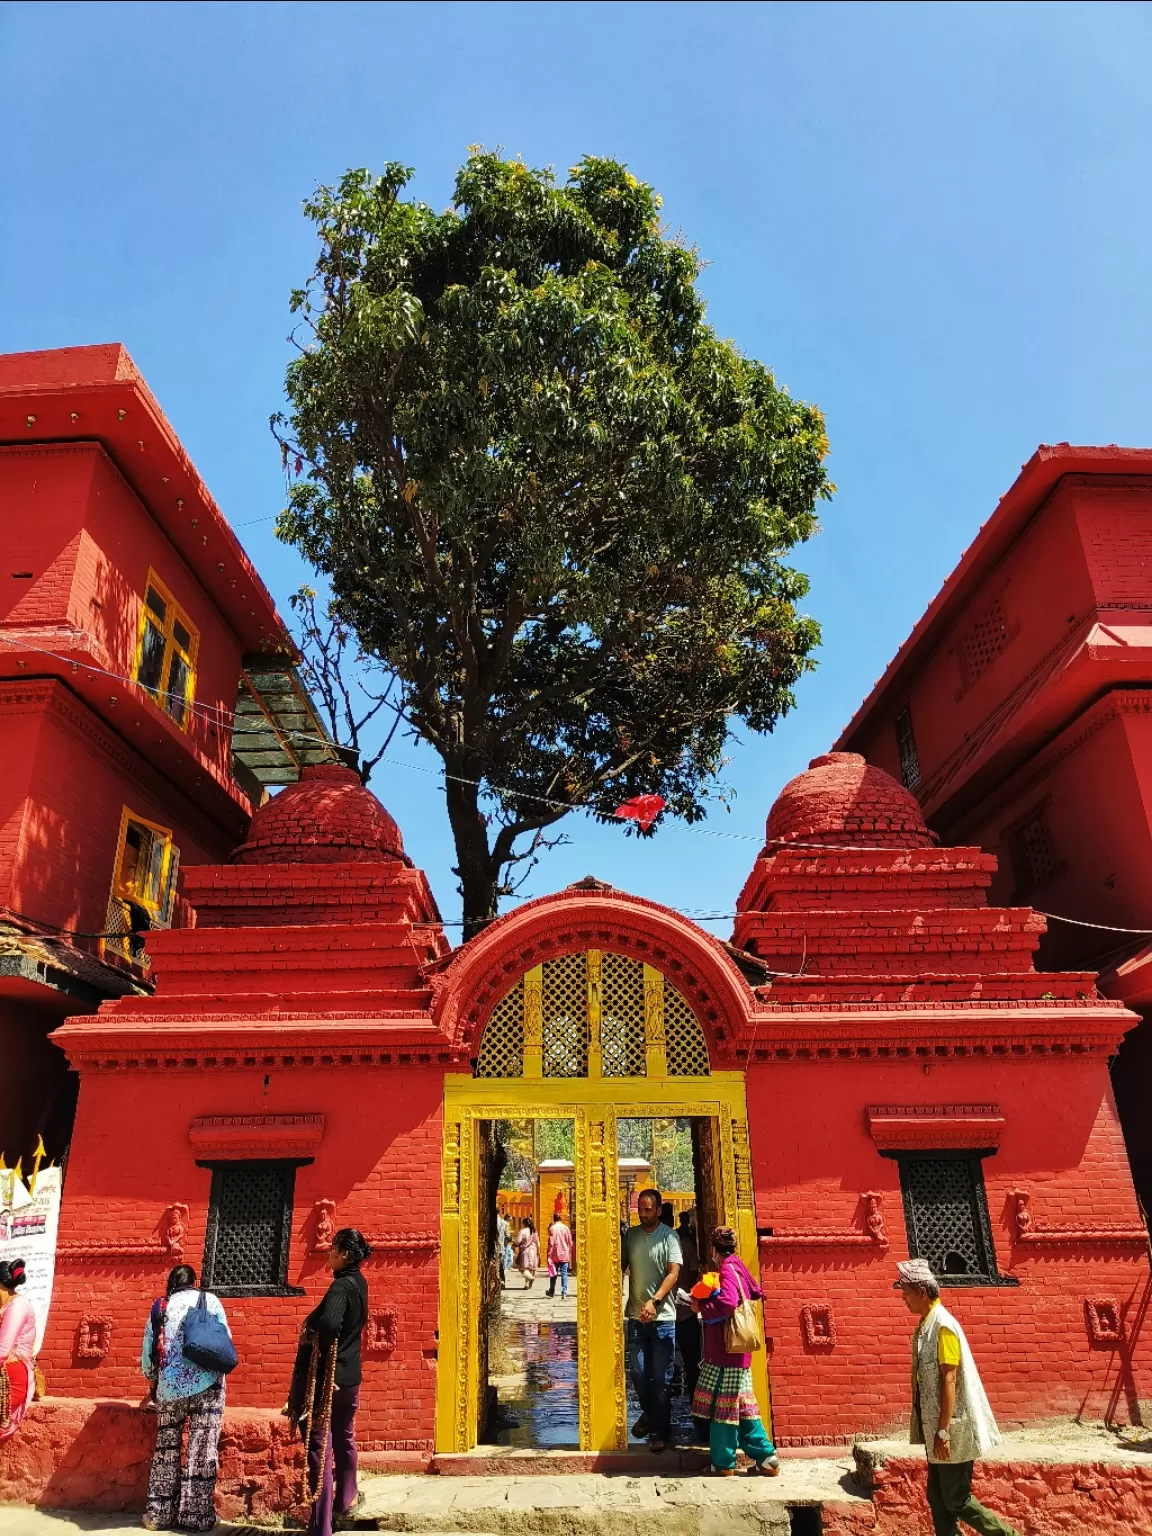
(614, 1504)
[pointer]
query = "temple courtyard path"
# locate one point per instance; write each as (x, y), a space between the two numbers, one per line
(507, 1503)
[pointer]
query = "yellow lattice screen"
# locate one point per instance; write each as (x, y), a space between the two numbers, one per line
(567, 1027)
(566, 1017)
(687, 1052)
(622, 1022)
(502, 1048)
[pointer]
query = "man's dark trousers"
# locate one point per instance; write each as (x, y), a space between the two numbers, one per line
(651, 1356)
(950, 1500)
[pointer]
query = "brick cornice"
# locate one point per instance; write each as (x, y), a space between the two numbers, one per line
(224, 1136)
(899, 1127)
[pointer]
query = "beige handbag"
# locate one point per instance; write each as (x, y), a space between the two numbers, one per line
(743, 1332)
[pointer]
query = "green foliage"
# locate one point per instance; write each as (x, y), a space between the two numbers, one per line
(546, 494)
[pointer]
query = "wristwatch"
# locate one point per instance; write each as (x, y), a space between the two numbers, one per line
(942, 1434)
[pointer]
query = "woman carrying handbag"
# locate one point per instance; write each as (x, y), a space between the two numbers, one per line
(187, 1353)
(732, 1334)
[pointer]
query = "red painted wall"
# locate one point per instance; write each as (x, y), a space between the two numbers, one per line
(1042, 583)
(379, 1160)
(813, 1158)
(72, 521)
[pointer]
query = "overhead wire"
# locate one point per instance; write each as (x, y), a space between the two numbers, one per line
(218, 716)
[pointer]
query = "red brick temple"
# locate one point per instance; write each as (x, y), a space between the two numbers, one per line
(884, 1070)
(1019, 711)
(147, 697)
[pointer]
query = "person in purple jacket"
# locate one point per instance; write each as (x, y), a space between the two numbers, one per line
(724, 1395)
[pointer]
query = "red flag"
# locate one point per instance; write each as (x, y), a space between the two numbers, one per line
(642, 809)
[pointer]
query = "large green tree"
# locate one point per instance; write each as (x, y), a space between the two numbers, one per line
(545, 494)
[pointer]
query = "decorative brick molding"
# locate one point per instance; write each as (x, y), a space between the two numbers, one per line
(403, 1242)
(874, 1234)
(256, 1135)
(93, 1338)
(909, 1127)
(1114, 1233)
(818, 1325)
(1105, 1319)
(467, 985)
(169, 1245)
(323, 1226)
(381, 1332)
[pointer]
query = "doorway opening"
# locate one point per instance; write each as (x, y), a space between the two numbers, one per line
(676, 1155)
(529, 1334)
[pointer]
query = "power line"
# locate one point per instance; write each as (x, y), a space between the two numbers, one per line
(216, 715)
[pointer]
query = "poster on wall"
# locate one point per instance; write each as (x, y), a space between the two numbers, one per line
(28, 1224)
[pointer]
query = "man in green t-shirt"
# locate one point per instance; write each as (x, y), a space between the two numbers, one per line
(651, 1257)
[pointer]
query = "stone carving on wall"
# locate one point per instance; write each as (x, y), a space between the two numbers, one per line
(1105, 1319)
(93, 1338)
(323, 1226)
(1107, 1234)
(875, 1234)
(818, 1325)
(174, 1228)
(381, 1332)
(874, 1215)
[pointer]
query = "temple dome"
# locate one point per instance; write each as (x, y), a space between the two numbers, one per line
(326, 817)
(841, 799)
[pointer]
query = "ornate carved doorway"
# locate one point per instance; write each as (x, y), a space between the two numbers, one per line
(588, 1037)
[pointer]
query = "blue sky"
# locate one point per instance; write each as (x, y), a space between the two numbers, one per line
(932, 220)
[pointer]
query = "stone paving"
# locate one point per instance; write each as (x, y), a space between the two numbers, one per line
(534, 1306)
(619, 1504)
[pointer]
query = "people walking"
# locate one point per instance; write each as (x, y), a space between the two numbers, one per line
(560, 1247)
(17, 1349)
(528, 1252)
(951, 1417)
(651, 1257)
(724, 1395)
(688, 1340)
(182, 1489)
(501, 1247)
(325, 1390)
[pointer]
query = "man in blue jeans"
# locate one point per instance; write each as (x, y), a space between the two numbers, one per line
(651, 1257)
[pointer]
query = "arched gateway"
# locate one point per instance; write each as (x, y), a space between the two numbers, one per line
(872, 1067)
(597, 1029)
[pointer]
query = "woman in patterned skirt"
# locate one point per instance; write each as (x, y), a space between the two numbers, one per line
(17, 1344)
(181, 1497)
(724, 1395)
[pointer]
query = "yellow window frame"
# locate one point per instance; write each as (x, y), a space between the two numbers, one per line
(173, 615)
(159, 908)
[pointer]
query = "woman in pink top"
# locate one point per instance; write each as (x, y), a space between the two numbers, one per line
(528, 1252)
(559, 1255)
(17, 1349)
(724, 1395)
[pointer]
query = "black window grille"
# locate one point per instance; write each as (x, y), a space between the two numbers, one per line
(1034, 861)
(906, 742)
(946, 1214)
(250, 1228)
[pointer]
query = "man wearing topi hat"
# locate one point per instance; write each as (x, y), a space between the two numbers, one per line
(951, 1418)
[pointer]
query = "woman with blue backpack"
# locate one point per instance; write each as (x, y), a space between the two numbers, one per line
(187, 1353)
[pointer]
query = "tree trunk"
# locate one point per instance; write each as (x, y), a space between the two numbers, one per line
(478, 877)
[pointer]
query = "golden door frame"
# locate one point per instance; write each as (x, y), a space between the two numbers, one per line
(593, 1105)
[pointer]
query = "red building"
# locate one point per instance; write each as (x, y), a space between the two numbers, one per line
(1019, 711)
(872, 1067)
(146, 695)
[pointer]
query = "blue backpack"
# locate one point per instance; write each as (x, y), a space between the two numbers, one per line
(207, 1342)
